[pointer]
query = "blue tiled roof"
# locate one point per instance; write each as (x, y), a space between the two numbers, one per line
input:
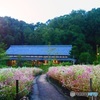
(39, 50)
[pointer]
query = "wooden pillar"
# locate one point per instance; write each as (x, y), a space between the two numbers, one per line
(45, 62)
(56, 61)
(53, 61)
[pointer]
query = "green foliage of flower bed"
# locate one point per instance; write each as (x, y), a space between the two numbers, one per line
(77, 77)
(8, 77)
(45, 68)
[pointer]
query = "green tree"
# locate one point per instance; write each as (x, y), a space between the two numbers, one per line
(2, 54)
(85, 58)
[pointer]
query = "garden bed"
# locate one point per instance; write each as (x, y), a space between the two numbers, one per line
(25, 77)
(63, 90)
(76, 78)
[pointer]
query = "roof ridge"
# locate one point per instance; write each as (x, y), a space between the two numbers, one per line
(41, 45)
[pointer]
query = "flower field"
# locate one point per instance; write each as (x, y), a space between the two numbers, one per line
(77, 77)
(8, 77)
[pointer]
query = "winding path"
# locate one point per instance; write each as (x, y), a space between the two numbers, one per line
(43, 90)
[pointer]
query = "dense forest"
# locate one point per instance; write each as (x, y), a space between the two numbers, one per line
(79, 28)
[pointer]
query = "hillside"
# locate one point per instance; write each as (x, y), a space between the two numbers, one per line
(79, 28)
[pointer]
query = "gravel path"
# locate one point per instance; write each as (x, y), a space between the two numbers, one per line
(43, 90)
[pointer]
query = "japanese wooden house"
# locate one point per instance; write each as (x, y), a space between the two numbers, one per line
(40, 53)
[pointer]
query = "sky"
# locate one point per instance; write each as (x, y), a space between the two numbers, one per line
(33, 11)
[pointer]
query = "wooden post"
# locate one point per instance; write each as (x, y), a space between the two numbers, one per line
(17, 85)
(97, 54)
(91, 87)
(90, 84)
(91, 90)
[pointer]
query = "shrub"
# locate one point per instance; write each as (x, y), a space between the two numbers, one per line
(77, 77)
(8, 77)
